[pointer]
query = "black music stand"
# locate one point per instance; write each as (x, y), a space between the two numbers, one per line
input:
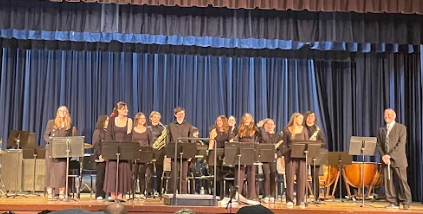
(339, 159)
(20, 140)
(220, 153)
(144, 156)
(265, 153)
(306, 149)
(116, 150)
(234, 153)
(320, 160)
(362, 146)
(67, 147)
(187, 148)
(36, 153)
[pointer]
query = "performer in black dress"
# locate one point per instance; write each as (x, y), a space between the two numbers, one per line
(61, 126)
(118, 129)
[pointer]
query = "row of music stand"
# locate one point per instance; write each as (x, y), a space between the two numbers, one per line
(73, 147)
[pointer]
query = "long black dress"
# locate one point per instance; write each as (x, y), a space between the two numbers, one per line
(116, 133)
(55, 167)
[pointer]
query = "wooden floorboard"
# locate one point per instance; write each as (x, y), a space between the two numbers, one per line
(32, 205)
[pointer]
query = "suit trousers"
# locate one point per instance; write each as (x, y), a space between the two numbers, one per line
(397, 189)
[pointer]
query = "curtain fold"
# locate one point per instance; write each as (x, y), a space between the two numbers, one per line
(206, 27)
(360, 6)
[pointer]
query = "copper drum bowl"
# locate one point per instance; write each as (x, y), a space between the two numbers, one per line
(328, 177)
(372, 174)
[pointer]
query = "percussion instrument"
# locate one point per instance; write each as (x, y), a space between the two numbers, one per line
(329, 176)
(372, 175)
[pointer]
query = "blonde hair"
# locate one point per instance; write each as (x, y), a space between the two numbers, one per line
(155, 113)
(292, 125)
(243, 130)
(66, 120)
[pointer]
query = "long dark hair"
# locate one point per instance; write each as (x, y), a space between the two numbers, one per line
(119, 105)
(100, 122)
(307, 114)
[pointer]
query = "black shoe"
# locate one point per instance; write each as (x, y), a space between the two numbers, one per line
(405, 206)
(392, 206)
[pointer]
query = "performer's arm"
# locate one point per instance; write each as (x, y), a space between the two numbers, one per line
(380, 143)
(109, 130)
(402, 140)
(96, 143)
(213, 134)
(48, 130)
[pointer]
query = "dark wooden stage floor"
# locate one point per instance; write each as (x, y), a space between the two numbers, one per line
(32, 205)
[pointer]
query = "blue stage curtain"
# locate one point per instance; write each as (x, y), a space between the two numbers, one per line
(348, 96)
(208, 27)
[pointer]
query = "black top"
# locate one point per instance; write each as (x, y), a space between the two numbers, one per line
(251, 139)
(145, 138)
(176, 130)
(156, 131)
(287, 138)
(98, 136)
(51, 131)
(320, 136)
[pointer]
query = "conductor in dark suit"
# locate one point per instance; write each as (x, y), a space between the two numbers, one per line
(391, 145)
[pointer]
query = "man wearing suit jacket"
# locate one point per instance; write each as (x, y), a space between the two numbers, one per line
(391, 145)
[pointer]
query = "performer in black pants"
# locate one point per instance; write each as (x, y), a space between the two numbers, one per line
(314, 133)
(391, 145)
(221, 134)
(175, 130)
(98, 136)
(159, 133)
(269, 136)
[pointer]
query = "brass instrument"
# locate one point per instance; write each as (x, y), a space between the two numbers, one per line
(160, 141)
(314, 136)
(278, 144)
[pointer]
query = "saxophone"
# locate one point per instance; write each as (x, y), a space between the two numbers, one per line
(314, 136)
(160, 141)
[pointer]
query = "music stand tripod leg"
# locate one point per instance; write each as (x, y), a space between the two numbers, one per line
(33, 181)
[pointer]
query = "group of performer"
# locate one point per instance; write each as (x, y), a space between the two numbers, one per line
(119, 127)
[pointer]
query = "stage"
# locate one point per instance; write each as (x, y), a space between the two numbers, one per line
(33, 205)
